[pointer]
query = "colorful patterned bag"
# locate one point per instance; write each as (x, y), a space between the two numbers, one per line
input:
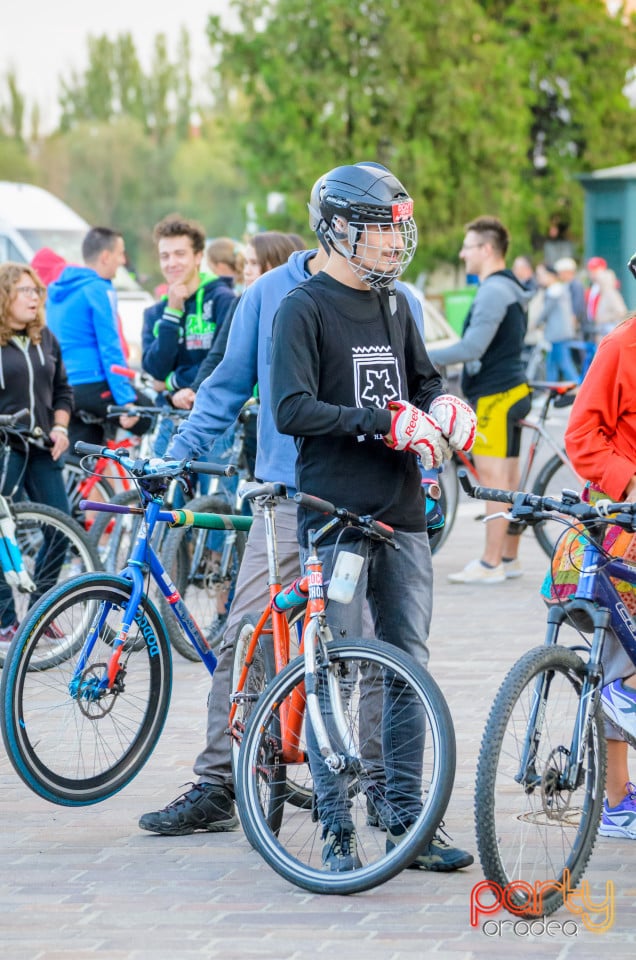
(562, 579)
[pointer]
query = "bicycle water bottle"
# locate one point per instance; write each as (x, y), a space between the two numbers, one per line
(344, 578)
(292, 596)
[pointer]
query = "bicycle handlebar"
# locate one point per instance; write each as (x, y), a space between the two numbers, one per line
(252, 491)
(154, 467)
(10, 419)
(138, 411)
(372, 528)
(530, 507)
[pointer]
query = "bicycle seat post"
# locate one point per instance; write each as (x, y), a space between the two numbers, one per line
(273, 566)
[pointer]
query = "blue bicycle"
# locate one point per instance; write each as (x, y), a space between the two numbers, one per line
(541, 768)
(82, 731)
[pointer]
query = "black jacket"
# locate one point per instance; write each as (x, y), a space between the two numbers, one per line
(34, 376)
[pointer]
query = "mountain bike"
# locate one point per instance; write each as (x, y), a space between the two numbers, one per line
(343, 690)
(542, 761)
(39, 547)
(557, 473)
(86, 733)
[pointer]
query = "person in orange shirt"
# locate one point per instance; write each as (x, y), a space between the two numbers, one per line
(601, 442)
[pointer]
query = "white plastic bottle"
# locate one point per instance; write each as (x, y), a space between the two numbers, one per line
(344, 578)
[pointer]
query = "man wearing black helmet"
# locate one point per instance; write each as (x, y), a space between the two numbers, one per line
(352, 382)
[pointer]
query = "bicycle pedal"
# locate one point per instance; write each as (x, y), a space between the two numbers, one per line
(244, 697)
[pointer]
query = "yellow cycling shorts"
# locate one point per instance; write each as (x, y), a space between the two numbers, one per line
(498, 430)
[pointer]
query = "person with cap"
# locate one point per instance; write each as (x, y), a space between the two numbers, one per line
(605, 305)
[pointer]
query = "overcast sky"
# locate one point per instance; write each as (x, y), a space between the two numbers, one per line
(44, 40)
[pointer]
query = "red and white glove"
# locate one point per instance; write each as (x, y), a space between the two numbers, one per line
(457, 420)
(414, 430)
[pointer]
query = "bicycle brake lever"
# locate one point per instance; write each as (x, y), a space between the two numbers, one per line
(502, 516)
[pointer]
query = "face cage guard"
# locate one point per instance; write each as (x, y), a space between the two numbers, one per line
(365, 258)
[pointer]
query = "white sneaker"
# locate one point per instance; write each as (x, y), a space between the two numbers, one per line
(512, 569)
(476, 572)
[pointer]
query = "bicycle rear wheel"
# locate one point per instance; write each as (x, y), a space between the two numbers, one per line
(291, 843)
(54, 547)
(530, 827)
(553, 477)
(69, 742)
(203, 565)
(113, 534)
(101, 489)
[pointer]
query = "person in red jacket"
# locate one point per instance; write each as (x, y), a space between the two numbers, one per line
(601, 442)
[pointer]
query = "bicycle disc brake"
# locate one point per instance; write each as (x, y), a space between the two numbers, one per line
(93, 701)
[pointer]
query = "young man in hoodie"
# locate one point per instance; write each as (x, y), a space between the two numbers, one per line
(494, 382)
(180, 329)
(81, 311)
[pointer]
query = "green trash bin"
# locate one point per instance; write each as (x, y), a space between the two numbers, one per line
(457, 303)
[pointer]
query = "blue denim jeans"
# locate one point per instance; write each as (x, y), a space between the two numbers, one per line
(41, 478)
(560, 364)
(399, 586)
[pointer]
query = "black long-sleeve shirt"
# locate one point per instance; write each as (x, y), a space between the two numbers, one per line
(339, 356)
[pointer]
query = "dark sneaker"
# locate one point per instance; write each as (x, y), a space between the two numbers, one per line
(438, 856)
(375, 809)
(340, 851)
(206, 806)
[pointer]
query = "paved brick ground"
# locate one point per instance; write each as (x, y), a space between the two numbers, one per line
(87, 882)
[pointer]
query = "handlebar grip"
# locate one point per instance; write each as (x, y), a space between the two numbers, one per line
(381, 529)
(123, 371)
(250, 491)
(314, 503)
(214, 469)
(484, 493)
(89, 449)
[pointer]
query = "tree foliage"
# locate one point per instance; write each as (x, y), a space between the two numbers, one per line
(477, 106)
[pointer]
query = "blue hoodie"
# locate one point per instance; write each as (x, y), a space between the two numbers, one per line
(247, 362)
(82, 313)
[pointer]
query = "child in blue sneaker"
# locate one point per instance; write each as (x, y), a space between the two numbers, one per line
(601, 442)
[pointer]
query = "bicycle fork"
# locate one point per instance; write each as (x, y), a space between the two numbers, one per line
(570, 776)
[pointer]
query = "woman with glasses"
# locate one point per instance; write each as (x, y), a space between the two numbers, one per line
(33, 378)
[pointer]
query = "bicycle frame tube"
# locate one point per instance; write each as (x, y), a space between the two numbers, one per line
(317, 632)
(540, 435)
(142, 559)
(595, 583)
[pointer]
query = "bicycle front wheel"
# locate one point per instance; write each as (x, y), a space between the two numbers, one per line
(71, 741)
(53, 547)
(274, 753)
(532, 826)
(553, 477)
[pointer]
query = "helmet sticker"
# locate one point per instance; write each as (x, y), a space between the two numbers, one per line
(402, 210)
